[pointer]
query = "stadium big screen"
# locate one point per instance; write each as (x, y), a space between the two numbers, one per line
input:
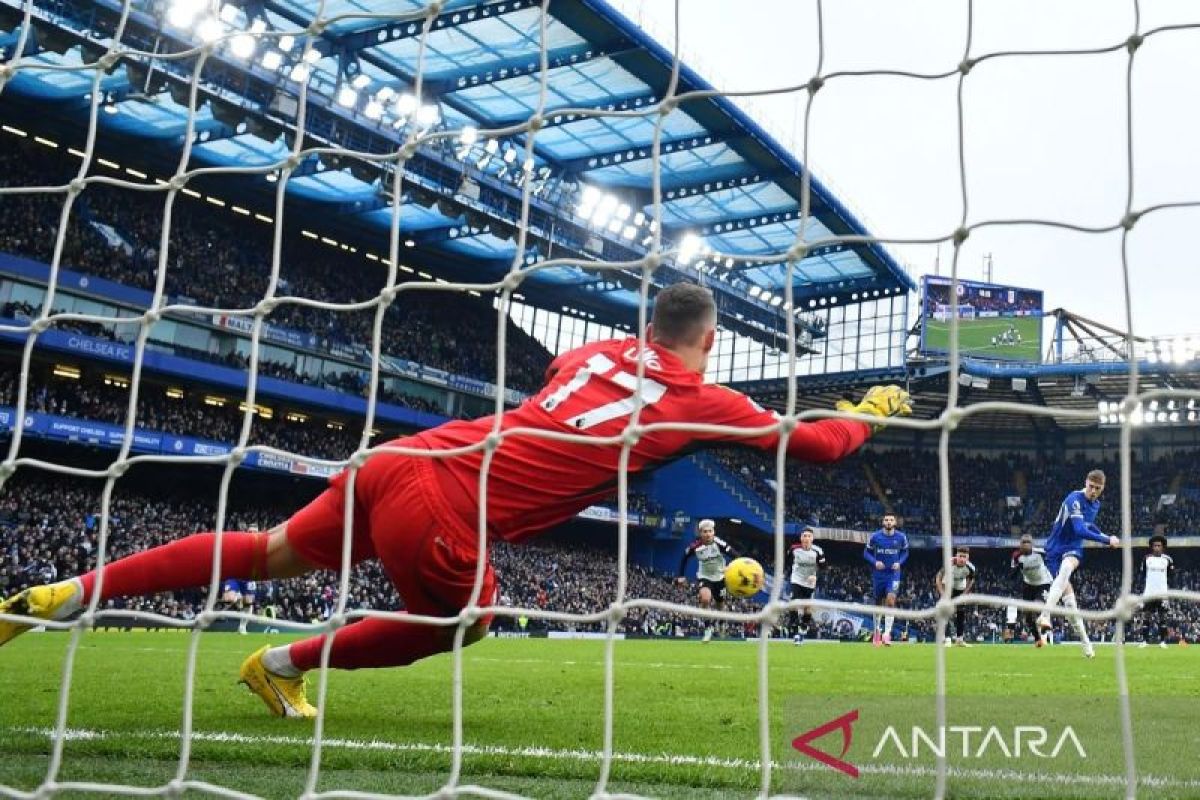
(994, 321)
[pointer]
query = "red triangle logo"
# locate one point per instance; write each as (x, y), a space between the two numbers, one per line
(842, 723)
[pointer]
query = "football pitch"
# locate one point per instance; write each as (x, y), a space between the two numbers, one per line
(686, 721)
(975, 337)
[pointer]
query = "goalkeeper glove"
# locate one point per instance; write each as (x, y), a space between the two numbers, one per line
(880, 401)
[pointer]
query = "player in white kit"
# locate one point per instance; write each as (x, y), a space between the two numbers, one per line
(1157, 569)
(962, 581)
(1030, 562)
(710, 552)
(807, 558)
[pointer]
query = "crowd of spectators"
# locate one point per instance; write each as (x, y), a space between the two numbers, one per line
(220, 259)
(850, 494)
(92, 399)
(856, 491)
(351, 381)
(984, 299)
(50, 525)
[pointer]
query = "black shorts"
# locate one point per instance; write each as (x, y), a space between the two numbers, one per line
(1034, 593)
(716, 587)
(801, 592)
(956, 592)
(1155, 607)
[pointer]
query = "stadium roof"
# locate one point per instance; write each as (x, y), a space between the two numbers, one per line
(376, 71)
(1079, 386)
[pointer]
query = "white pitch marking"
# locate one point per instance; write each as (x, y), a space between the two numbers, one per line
(592, 756)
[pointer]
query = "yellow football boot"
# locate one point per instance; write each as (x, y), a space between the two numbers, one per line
(284, 696)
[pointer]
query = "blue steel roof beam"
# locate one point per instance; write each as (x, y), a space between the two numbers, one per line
(721, 112)
(758, 219)
(330, 124)
(747, 176)
(555, 117)
(823, 250)
(412, 25)
(444, 234)
(639, 152)
(328, 46)
(602, 286)
(519, 66)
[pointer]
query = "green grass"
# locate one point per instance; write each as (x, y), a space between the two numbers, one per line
(975, 337)
(388, 729)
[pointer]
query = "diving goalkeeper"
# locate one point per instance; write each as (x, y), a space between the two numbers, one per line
(419, 515)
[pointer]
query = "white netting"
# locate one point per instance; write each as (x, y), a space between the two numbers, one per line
(807, 90)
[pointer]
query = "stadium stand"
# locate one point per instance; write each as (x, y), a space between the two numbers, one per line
(220, 259)
(855, 492)
(49, 527)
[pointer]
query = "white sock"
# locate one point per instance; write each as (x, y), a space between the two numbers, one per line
(1077, 621)
(74, 603)
(878, 629)
(1061, 581)
(887, 624)
(278, 660)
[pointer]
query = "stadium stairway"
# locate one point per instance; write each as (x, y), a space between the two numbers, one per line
(701, 486)
(877, 488)
(1176, 483)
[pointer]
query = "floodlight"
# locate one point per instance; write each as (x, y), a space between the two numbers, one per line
(209, 30)
(406, 104)
(428, 115)
(242, 45)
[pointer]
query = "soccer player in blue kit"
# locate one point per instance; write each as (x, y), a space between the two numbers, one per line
(886, 552)
(1075, 523)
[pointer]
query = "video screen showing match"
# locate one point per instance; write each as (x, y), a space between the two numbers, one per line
(994, 321)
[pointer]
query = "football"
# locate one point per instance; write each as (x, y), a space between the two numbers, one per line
(744, 577)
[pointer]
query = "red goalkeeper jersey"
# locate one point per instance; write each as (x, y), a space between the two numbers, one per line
(535, 483)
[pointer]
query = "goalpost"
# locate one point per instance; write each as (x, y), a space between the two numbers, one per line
(109, 52)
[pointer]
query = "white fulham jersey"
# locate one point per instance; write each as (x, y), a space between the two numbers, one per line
(805, 564)
(710, 558)
(1032, 566)
(959, 575)
(1157, 570)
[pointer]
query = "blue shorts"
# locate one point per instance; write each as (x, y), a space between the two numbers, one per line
(1054, 558)
(885, 582)
(231, 585)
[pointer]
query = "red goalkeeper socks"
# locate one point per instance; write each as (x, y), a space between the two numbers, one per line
(182, 564)
(373, 643)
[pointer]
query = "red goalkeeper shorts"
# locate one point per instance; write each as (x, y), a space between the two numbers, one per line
(402, 517)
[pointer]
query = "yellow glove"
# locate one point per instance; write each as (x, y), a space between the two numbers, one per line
(880, 401)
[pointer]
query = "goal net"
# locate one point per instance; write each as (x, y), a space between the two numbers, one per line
(197, 75)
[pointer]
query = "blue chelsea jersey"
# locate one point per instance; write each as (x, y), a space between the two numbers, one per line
(891, 550)
(1076, 521)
